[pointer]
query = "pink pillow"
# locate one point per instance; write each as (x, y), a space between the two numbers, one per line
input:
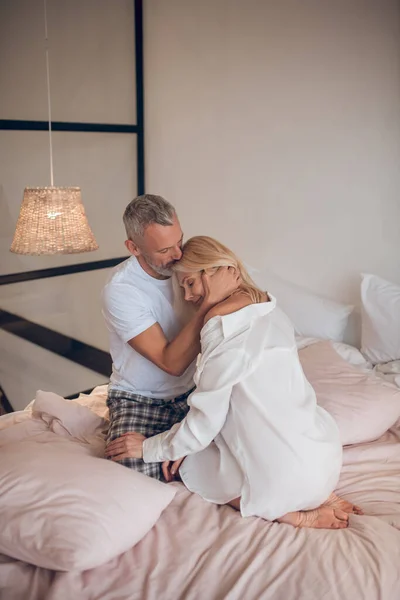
(363, 405)
(64, 509)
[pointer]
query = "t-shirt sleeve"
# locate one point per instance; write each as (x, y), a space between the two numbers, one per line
(126, 310)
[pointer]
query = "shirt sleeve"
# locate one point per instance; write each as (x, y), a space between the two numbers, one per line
(126, 310)
(209, 406)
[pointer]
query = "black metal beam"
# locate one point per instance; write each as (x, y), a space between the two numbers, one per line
(4, 402)
(139, 95)
(21, 125)
(57, 271)
(31, 125)
(74, 350)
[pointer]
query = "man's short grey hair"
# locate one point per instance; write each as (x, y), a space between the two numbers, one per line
(144, 210)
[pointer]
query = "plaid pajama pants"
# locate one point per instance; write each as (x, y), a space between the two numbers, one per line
(133, 412)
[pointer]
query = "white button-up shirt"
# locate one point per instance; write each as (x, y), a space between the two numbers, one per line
(254, 429)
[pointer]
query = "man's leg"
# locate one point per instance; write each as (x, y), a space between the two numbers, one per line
(147, 419)
(179, 410)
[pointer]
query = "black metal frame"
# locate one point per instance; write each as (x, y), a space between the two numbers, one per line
(138, 128)
(21, 125)
(58, 271)
(70, 348)
(4, 402)
(78, 352)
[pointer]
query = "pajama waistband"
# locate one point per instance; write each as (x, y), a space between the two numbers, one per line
(115, 394)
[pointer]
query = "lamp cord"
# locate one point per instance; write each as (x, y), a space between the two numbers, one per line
(48, 92)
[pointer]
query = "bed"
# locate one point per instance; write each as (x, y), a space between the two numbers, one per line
(197, 550)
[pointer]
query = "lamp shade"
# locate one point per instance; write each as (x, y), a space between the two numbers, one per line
(52, 220)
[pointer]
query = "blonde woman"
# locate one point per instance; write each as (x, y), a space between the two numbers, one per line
(254, 436)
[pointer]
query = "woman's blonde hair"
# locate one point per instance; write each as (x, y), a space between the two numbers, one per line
(201, 253)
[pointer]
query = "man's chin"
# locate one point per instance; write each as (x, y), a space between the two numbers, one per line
(166, 272)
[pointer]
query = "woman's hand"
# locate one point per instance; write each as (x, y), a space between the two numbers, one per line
(170, 470)
(129, 445)
(219, 285)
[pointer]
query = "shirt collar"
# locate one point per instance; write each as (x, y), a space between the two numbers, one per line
(243, 318)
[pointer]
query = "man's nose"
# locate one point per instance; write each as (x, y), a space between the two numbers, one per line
(177, 253)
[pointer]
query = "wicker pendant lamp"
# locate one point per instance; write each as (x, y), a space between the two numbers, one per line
(52, 220)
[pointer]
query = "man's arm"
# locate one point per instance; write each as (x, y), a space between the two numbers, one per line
(174, 357)
(209, 406)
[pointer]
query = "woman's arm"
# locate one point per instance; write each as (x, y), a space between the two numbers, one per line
(209, 405)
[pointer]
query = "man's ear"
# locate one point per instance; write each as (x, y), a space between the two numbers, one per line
(132, 248)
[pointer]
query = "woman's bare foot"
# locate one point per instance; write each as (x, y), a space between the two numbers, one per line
(336, 502)
(320, 518)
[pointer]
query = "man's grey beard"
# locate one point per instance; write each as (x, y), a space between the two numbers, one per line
(164, 271)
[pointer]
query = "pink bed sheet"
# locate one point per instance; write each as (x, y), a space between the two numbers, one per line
(198, 551)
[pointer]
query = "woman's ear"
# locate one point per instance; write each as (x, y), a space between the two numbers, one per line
(210, 272)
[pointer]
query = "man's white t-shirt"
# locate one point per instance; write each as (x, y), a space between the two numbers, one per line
(133, 301)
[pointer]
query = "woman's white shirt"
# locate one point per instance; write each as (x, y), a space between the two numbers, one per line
(254, 429)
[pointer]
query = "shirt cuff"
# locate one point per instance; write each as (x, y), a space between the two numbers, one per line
(152, 450)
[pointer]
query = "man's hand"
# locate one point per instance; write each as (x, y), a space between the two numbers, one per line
(129, 445)
(170, 471)
(219, 286)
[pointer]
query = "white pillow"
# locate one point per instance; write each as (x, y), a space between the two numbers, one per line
(380, 330)
(311, 315)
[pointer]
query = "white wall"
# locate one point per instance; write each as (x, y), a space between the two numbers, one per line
(275, 127)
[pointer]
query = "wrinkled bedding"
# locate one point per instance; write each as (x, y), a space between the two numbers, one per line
(200, 551)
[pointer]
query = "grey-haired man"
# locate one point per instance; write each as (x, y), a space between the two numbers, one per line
(153, 355)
